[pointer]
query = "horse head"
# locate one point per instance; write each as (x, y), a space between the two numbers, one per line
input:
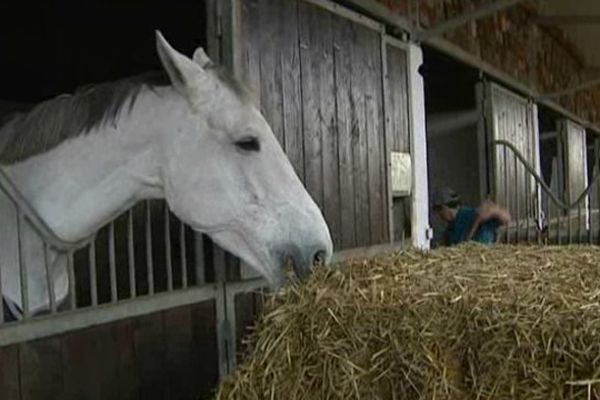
(225, 174)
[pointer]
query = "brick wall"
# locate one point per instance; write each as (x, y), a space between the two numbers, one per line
(543, 58)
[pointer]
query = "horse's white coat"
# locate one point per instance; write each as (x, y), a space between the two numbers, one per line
(177, 143)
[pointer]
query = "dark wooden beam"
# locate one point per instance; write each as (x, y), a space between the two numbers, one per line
(574, 88)
(451, 24)
(566, 19)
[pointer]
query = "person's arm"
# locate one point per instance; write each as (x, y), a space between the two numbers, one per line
(486, 212)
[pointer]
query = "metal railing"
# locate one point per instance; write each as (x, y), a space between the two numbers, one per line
(538, 214)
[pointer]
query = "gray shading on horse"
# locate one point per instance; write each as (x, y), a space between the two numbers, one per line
(191, 136)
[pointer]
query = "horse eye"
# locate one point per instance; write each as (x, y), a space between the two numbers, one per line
(249, 143)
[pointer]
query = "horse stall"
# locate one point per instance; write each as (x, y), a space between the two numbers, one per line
(141, 317)
(487, 141)
(452, 136)
(345, 101)
(155, 310)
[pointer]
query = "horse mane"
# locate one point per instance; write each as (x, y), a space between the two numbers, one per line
(51, 122)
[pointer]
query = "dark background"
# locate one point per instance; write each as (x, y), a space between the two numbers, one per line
(52, 47)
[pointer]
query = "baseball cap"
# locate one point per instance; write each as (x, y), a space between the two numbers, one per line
(444, 196)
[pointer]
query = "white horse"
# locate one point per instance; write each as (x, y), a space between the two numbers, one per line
(196, 140)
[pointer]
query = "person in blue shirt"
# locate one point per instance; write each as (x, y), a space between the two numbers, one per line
(468, 223)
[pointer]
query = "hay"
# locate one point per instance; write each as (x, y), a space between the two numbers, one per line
(470, 322)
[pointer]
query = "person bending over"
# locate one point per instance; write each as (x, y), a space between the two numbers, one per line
(465, 223)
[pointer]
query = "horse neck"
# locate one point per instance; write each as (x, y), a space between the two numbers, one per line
(85, 182)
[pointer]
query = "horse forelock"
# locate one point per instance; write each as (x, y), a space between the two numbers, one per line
(50, 123)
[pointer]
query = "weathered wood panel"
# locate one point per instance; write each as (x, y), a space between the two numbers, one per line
(36, 385)
(181, 363)
(359, 134)
(343, 49)
(150, 357)
(319, 77)
(291, 89)
(9, 373)
(165, 355)
(396, 108)
(511, 120)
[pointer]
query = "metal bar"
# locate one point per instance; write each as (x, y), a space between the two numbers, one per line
(528, 212)
(569, 228)
(572, 89)
(506, 194)
(23, 265)
(183, 252)
(232, 331)
(49, 285)
(93, 277)
(453, 23)
(131, 255)
(456, 52)
(580, 240)
(112, 264)
(517, 200)
(38, 224)
(149, 262)
(168, 255)
(1, 299)
(538, 212)
(223, 329)
(387, 142)
(72, 285)
(51, 325)
(199, 259)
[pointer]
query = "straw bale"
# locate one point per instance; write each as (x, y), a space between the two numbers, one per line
(470, 322)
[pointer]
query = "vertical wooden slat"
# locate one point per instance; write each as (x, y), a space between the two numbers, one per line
(342, 42)
(125, 384)
(181, 360)
(311, 59)
(150, 357)
(204, 337)
(249, 32)
(41, 370)
(375, 138)
(359, 133)
(270, 43)
(9, 373)
(291, 91)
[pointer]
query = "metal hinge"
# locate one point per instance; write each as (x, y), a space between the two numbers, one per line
(429, 233)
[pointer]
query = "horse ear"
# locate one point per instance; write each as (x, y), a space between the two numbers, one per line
(201, 58)
(184, 73)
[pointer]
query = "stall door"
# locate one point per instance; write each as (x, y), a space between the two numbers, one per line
(511, 119)
(572, 139)
(318, 70)
(573, 144)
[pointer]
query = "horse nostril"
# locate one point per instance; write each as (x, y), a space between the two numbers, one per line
(319, 258)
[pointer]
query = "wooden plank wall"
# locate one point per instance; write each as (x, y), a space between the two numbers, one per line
(397, 126)
(165, 355)
(319, 79)
(512, 122)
